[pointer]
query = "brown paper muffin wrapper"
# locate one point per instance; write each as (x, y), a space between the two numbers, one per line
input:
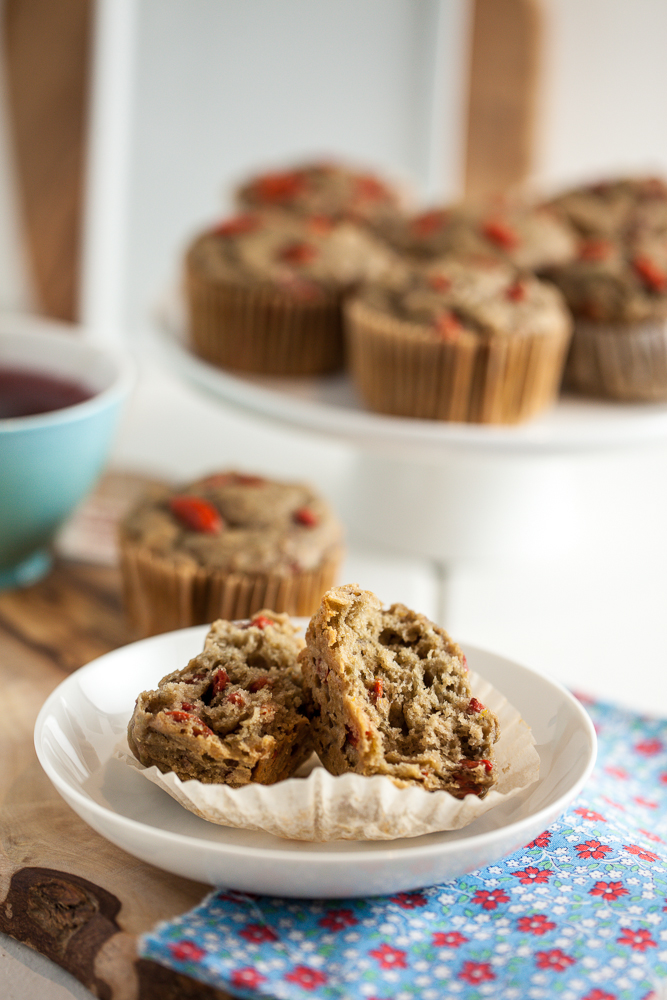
(399, 368)
(622, 361)
(319, 806)
(262, 330)
(161, 595)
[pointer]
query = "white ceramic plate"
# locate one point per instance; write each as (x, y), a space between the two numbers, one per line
(81, 721)
(329, 405)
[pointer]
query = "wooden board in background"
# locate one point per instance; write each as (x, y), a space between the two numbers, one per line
(46, 61)
(503, 94)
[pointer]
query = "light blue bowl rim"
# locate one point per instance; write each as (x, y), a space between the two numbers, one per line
(126, 373)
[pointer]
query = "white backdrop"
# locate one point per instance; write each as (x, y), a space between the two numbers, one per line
(605, 89)
(190, 96)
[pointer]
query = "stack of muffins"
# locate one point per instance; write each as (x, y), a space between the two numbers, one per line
(465, 312)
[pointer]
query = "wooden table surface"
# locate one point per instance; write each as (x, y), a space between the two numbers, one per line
(66, 891)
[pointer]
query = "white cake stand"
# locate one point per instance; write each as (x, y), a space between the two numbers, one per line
(448, 491)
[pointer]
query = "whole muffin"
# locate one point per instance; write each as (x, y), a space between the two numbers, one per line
(234, 714)
(527, 236)
(226, 546)
(323, 188)
(264, 291)
(471, 341)
(390, 695)
(617, 291)
(616, 207)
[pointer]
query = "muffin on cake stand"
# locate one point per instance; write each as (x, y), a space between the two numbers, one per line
(453, 493)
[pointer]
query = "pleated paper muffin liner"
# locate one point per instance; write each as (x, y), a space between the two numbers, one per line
(161, 595)
(262, 330)
(623, 361)
(322, 807)
(400, 368)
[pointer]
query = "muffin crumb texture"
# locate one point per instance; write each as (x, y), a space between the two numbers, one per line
(235, 714)
(390, 695)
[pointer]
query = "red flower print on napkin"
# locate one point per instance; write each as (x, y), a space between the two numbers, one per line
(306, 978)
(638, 940)
(590, 814)
(535, 924)
(490, 900)
(338, 920)
(649, 747)
(554, 959)
(651, 836)
(613, 802)
(186, 951)
(541, 841)
(257, 933)
(232, 896)
(389, 958)
(452, 939)
(246, 977)
(476, 972)
(608, 890)
(641, 852)
(592, 849)
(530, 875)
(616, 772)
(409, 900)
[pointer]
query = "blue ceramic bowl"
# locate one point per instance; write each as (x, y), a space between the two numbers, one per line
(50, 461)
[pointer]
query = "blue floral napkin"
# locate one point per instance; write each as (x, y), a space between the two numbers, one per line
(580, 913)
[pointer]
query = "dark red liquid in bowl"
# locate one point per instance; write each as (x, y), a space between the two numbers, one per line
(24, 393)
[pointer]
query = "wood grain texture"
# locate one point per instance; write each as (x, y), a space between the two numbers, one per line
(64, 890)
(503, 95)
(46, 58)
